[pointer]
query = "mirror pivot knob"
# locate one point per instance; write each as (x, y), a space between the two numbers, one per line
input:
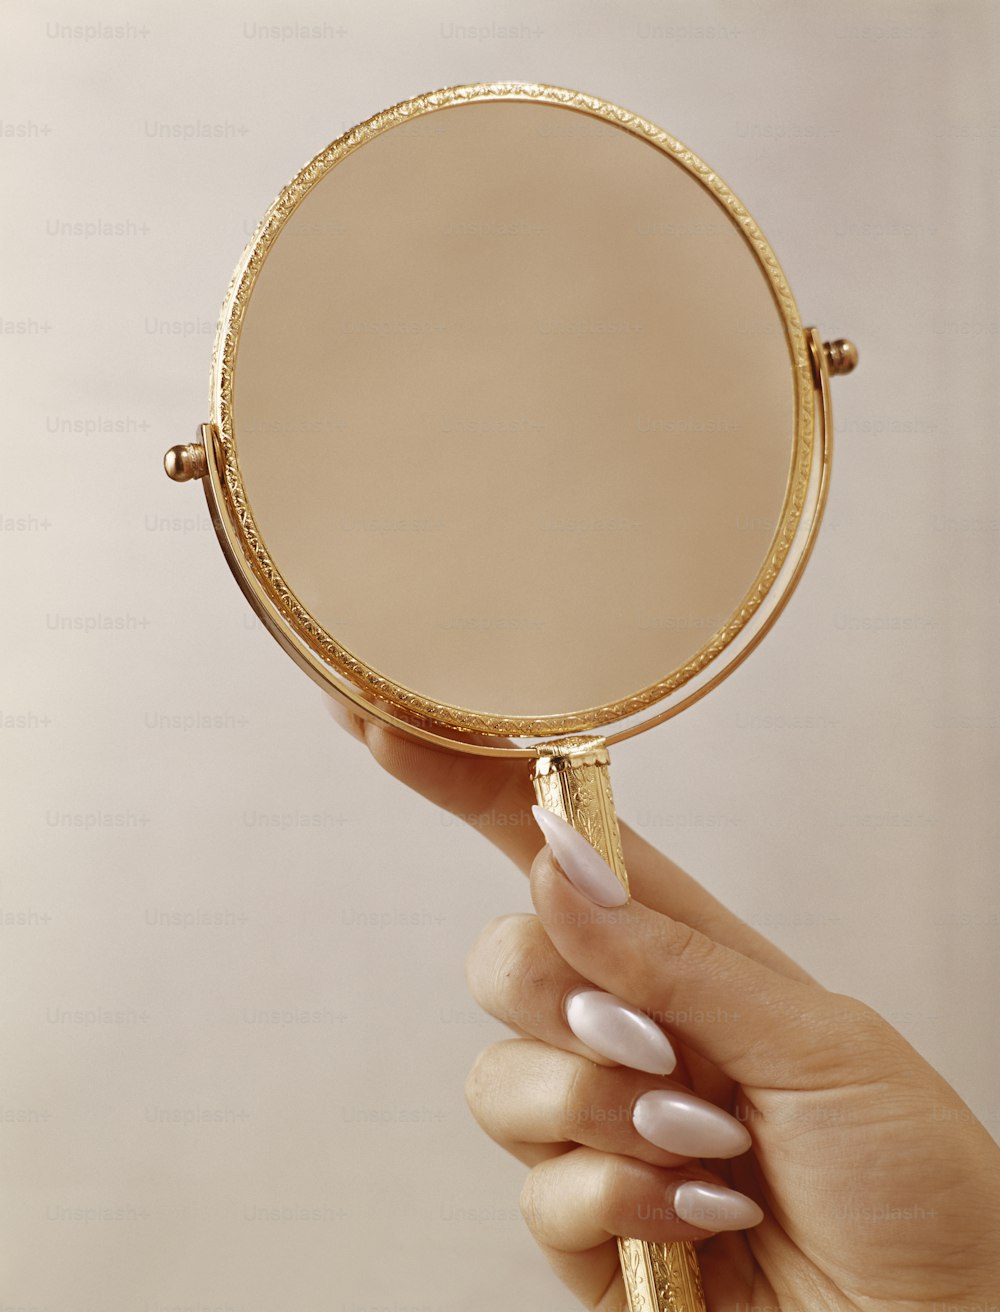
(183, 463)
(841, 356)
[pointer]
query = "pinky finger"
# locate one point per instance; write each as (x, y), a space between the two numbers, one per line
(576, 1204)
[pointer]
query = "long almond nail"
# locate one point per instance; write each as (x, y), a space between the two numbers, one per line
(584, 867)
(681, 1123)
(620, 1032)
(713, 1207)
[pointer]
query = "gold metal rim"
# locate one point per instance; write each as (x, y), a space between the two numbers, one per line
(299, 632)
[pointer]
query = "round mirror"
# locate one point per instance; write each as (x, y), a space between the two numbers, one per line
(513, 417)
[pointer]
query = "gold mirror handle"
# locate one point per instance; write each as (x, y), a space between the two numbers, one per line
(571, 779)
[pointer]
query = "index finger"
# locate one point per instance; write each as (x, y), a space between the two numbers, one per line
(495, 797)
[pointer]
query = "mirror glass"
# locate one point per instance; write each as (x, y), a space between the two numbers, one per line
(511, 380)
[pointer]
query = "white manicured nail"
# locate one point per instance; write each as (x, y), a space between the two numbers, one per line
(713, 1207)
(620, 1033)
(681, 1123)
(585, 868)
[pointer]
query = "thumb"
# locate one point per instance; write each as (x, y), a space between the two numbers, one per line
(760, 1028)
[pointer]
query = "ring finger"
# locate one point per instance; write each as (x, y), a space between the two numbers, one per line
(537, 1101)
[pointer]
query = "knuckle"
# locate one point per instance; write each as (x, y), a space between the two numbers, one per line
(483, 948)
(474, 1086)
(857, 1018)
(608, 1192)
(607, 1185)
(573, 1102)
(502, 966)
(481, 1079)
(482, 955)
(690, 947)
(554, 1200)
(864, 1038)
(530, 1202)
(491, 939)
(681, 943)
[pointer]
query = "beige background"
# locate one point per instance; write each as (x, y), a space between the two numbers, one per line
(838, 792)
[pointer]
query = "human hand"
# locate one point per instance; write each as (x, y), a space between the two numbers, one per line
(879, 1189)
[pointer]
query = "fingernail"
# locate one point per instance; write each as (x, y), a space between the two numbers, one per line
(585, 868)
(713, 1207)
(620, 1033)
(681, 1123)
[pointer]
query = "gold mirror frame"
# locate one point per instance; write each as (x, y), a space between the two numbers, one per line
(342, 672)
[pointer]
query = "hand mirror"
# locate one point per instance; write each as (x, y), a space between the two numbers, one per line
(517, 442)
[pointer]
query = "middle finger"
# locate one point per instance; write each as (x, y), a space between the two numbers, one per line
(516, 974)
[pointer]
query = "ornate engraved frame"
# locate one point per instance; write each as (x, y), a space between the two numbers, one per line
(340, 670)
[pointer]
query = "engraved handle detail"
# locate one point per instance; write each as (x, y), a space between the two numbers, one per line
(571, 779)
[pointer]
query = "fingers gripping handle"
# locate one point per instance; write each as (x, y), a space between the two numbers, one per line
(571, 779)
